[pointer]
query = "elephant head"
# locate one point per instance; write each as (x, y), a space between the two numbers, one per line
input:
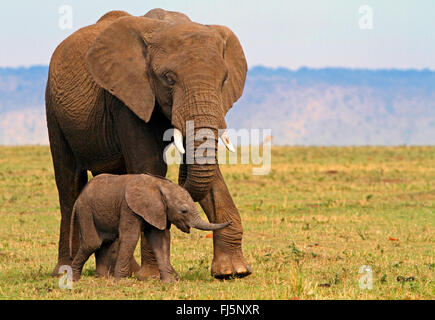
(159, 201)
(189, 71)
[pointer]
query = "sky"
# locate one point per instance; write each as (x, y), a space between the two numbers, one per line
(275, 33)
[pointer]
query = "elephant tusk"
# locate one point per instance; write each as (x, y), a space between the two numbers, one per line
(227, 142)
(178, 141)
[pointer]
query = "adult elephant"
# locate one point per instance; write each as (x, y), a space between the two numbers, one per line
(116, 86)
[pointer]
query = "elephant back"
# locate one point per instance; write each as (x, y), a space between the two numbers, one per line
(72, 95)
(112, 16)
(168, 16)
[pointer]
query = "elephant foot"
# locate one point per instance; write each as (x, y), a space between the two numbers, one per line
(170, 275)
(170, 279)
(134, 266)
(148, 271)
(76, 276)
(229, 265)
(60, 263)
(101, 272)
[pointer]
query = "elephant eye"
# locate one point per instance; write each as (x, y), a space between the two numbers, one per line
(184, 210)
(169, 78)
(225, 79)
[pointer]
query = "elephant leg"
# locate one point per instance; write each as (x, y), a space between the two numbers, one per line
(130, 228)
(70, 180)
(159, 242)
(228, 260)
(149, 267)
(79, 261)
(105, 259)
(90, 241)
(142, 148)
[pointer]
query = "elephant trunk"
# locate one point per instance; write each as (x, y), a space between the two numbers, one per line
(201, 163)
(199, 126)
(200, 224)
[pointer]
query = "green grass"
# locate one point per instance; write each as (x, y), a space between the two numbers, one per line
(309, 226)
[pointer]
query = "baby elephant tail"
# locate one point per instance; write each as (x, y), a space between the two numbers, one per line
(71, 229)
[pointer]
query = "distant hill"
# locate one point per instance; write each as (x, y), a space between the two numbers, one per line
(330, 106)
(22, 111)
(339, 106)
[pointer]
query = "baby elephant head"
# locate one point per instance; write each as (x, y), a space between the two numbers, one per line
(182, 211)
(159, 201)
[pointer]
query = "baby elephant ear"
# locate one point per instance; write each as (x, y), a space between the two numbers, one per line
(143, 197)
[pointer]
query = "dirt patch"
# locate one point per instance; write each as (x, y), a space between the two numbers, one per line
(331, 172)
(313, 205)
(393, 180)
(430, 195)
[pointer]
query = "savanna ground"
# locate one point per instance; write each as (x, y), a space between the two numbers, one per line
(309, 226)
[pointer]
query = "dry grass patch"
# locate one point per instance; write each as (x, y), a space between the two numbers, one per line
(309, 225)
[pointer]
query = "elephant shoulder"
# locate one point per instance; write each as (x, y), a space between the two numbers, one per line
(113, 15)
(67, 64)
(84, 37)
(77, 44)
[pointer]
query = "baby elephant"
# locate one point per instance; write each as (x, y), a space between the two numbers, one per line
(113, 207)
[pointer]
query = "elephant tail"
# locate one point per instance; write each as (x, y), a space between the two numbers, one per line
(71, 229)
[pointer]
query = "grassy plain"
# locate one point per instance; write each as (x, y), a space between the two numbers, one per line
(309, 226)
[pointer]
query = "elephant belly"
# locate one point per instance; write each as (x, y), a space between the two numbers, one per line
(98, 157)
(114, 165)
(107, 235)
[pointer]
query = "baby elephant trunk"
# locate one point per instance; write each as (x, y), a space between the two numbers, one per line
(200, 224)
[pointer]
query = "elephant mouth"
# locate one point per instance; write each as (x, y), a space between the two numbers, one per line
(200, 160)
(196, 135)
(178, 141)
(185, 229)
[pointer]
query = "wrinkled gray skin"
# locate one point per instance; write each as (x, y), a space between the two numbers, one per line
(113, 210)
(114, 88)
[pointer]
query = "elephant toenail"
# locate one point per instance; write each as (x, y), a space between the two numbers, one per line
(241, 270)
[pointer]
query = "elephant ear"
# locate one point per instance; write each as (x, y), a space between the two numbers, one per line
(144, 198)
(118, 61)
(237, 66)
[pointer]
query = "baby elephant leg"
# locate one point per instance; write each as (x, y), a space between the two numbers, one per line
(160, 241)
(129, 232)
(90, 241)
(79, 261)
(105, 260)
